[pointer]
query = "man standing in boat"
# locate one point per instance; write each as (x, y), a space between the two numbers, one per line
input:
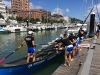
(29, 40)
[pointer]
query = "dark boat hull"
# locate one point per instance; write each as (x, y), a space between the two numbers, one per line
(27, 69)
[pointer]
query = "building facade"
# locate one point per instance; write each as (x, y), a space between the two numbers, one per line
(57, 17)
(3, 9)
(36, 13)
(20, 5)
(67, 19)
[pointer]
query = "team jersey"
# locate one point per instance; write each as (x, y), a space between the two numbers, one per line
(66, 41)
(71, 38)
(80, 35)
(98, 27)
(29, 40)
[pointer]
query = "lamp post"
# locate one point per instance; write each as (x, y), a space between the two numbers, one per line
(27, 23)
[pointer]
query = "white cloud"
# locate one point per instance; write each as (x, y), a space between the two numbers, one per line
(59, 11)
(7, 3)
(32, 6)
(95, 9)
(67, 10)
(40, 2)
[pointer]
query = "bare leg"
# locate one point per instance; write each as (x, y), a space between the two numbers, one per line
(66, 59)
(28, 57)
(34, 57)
(72, 54)
(69, 58)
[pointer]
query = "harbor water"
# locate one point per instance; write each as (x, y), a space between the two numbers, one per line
(9, 42)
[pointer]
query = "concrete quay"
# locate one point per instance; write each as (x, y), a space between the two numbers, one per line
(86, 63)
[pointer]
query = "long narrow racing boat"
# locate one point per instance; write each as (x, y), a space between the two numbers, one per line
(20, 67)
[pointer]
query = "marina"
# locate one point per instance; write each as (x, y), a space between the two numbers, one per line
(42, 38)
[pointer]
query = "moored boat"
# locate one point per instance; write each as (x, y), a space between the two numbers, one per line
(20, 67)
(2, 31)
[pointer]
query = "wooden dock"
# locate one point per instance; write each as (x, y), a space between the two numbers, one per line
(75, 67)
(90, 62)
(95, 64)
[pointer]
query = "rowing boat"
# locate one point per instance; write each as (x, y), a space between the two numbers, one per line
(20, 67)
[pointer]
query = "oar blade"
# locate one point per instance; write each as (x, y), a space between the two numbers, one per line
(2, 60)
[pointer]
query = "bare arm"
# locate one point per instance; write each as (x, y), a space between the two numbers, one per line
(22, 44)
(33, 43)
(73, 41)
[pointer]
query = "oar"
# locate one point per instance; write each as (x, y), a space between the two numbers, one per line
(9, 54)
(41, 44)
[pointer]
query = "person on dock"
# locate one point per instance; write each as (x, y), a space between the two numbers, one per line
(98, 31)
(57, 43)
(29, 40)
(68, 49)
(72, 38)
(80, 37)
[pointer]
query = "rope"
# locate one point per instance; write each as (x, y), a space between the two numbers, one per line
(97, 10)
(89, 14)
(81, 7)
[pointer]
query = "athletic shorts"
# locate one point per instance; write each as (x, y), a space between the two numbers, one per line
(98, 31)
(31, 50)
(74, 44)
(81, 38)
(77, 41)
(88, 33)
(69, 48)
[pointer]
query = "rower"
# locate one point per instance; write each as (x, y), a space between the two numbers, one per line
(68, 49)
(72, 38)
(31, 44)
(57, 43)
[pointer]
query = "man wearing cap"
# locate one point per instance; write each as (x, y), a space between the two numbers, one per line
(29, 40)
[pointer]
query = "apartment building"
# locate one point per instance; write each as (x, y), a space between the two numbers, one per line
(30, 14)
(20, 5)
(46, 14)
(3, 9)
(36, 13)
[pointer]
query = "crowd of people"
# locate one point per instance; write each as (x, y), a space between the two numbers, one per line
(70, 42)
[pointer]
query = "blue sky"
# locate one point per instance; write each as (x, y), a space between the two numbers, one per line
(72, 8)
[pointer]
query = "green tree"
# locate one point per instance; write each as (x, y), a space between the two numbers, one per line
(74, 20)
(37, 19)
(60, 21)
(19, 19)
(1, 16)
(25, 19)
(12, 18)
(43, 19)
(32, 20)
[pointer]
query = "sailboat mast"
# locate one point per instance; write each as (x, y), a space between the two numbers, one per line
(85, 7)
(57, 8)
(47, 16)
(92, 3)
